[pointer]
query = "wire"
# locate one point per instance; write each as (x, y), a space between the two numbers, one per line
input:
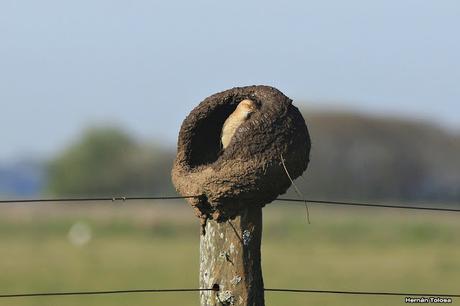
(216, 288)
(299, 193)
(17, 295)
(96, 199)
(361, 292)
(326, 202)
(370, 205)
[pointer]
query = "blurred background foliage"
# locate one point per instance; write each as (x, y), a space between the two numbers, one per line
(106, 161)
(361, 157)
(354, 157)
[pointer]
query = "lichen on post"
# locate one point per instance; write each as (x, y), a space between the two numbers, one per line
(230, 257)
(232, 185)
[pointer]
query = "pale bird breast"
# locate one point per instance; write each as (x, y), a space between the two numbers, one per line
(240, 115)
(230, 126)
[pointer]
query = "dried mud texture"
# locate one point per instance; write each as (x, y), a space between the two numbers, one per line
(249, 171)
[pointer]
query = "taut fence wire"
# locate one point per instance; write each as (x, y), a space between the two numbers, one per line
(96, 199)
(376, 293)
(146, 198)
(369, 205)
(216, 288)
(37, 294)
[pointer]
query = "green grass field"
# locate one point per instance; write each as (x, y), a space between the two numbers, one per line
(136, 246)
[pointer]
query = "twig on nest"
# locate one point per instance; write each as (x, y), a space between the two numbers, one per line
(299, 193)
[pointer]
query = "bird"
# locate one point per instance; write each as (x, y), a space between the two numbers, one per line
(242, 113)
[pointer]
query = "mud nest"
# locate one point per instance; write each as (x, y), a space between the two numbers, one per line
(250, 170)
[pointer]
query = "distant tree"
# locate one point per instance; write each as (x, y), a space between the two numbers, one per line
(361, 157)
(106, 161)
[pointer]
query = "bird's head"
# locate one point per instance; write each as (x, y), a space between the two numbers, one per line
(246, 107)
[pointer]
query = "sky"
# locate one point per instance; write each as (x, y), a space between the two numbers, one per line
(144, 65)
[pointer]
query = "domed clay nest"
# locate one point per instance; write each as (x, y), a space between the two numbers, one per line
(250, 170)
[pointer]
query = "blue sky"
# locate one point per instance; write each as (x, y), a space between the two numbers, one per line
(144, 64)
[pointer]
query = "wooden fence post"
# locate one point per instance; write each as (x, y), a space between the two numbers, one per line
(227, 187)
(230, 258)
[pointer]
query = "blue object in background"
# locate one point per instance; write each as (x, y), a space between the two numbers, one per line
(22, 179)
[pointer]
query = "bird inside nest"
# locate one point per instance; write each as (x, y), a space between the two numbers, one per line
(243, 112)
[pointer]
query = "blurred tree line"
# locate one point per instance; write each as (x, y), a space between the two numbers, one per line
(361, 157)
(106, 161)
(353, 157)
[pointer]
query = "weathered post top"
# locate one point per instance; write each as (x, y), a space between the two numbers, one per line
(233, 184)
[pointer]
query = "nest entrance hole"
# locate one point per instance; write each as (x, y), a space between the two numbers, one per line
(206, 146)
